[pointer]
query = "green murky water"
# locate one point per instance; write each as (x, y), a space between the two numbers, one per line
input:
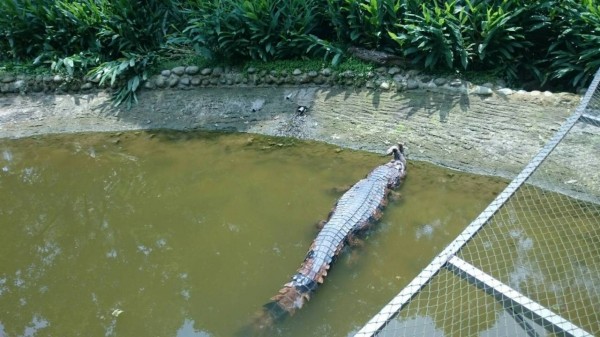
(189, 234)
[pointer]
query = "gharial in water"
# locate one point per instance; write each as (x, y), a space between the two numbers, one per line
(354, 212)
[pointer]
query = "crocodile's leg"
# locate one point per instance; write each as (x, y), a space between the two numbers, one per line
(340, 189)
(354, 241)
(322, 223)
(395, 196)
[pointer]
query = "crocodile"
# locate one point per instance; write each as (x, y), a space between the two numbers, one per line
(354, 212)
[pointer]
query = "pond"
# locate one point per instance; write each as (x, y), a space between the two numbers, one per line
(189, 234)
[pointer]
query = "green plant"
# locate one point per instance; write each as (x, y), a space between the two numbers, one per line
(576, 52)
(129, 71)
(496, 33)
(366, 21)
(434, 37)
(260, 30)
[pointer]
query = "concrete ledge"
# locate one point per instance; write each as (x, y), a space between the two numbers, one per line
(493, 134)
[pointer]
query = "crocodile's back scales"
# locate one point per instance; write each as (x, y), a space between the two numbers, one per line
(354, 211)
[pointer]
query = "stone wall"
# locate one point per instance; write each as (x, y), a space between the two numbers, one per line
(188, 77)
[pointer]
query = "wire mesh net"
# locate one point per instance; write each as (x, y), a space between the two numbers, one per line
(533, 269)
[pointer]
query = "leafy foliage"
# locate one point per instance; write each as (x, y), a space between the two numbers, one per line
(260, 30)
(576, 52)
(363, 22)
(434, 37)
(550, 42)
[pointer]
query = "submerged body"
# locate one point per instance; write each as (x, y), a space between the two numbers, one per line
(359, 207)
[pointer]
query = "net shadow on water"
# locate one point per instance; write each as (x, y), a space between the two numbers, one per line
(528, 264)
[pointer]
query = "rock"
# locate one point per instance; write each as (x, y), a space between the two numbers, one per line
(370, 85)
(394, 70)
(57, 79)
(206, 71)
(488, 84)
(184, 81)
(439, 81)
(13, 87)
(385, 85)
(457, 82)
(148, 85)
(426, 78)
(305, 79)
(412, 84)
(548, 94)
(192, 70)
(326, 72)
(166, 73)
(313, 74)
(535, 93)
(429, 85)
(217, 71)
(196, 80)
(348, 74)
(7, 78)
(481, 90)
(401, 85)
(37, 87)
(398, 78)
(251, 70)
(296, 72)
(505, 91)
(19, 85)
(412, 72)
(160, 81)
(381, 70)
(172, 80)
(178, 71)
(319, 80)
(88, 86)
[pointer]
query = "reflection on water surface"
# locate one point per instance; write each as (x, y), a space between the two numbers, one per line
(188, 234)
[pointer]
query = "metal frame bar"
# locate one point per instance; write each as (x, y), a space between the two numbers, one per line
(514, 300)
(377, 322)
(587, 118)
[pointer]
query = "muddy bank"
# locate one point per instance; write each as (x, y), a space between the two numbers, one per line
(489, 134)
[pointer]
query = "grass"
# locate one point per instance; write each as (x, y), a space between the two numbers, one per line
(23, 68)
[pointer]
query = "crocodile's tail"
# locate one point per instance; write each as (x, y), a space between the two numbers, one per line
(284, 304)
(289, 299)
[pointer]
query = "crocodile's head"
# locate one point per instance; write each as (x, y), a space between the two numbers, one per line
(398, 152)
(398, 163)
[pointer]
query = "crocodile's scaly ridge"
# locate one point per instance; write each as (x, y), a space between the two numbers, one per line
(359, 207)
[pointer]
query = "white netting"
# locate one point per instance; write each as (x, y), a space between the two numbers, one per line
(541, 248)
